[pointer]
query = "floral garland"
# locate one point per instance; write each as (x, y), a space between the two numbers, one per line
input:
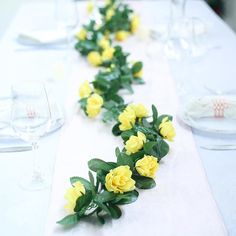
(115, 183)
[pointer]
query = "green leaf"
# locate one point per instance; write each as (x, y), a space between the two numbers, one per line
(138, 155)
(128, 87)
(83, 201)
(83, 103)
(137, 67)
(154, 114)
(126, 198)
(162, 148)
(160, 118)
(85, 182)
(145, 130)
(115, 211)
(100, 218)
(124, 159)
(105, 196)
(149, 148)
(116, 130)
(126, 134)
(144, 182)
(68, 220)
(91, 178)
(117, 151)
(98, 164)
(108, 116)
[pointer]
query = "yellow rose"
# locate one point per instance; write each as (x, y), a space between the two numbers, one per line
(135, 143)
(94, 104)
(107, 2)
(107, 34)
(72, 194)
(127, 119)
(121, 35)
(119, 180)
(140, 110)
(135, 22)
(147, 166)
(104, 43)
(82, 34)
(85, 89)
(110, 13)
(167, 129)
(139, 74)
(90, 7)
(107, 54)
(94, 58)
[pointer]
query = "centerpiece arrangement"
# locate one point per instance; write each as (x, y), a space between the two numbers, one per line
(145, 135)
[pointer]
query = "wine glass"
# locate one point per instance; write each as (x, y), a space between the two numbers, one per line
(30, 119)
(185, 34)
(67, 18)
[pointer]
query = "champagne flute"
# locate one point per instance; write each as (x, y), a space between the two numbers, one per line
(30, 119)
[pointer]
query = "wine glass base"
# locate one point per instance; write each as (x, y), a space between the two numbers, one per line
(34, 181)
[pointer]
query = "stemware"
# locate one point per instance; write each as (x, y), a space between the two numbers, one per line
(30, 119)
(67, 18)
(183, 33)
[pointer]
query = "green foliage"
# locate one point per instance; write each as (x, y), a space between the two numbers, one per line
(116, 74)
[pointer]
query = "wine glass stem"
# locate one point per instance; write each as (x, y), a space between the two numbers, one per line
(36, 168)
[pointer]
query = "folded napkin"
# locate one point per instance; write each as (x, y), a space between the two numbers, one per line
(212, 106)
(42, 37)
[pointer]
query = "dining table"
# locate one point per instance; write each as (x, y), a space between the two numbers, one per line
(196, 182)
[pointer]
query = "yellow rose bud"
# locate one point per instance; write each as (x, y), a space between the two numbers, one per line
(107, 54)
(107, 2)
(85, 89)
(82, 34)
(94, 58)
(90, 7)
(121, 35)
(167, 129)
(72, 194)
(119, 180)
(127, 119)
(107, 34)
(147, 166)
(135, 22)
(94, 104)
(104, 43)
(135, 143)
(139, 109)
(139, 74)
(110, 13)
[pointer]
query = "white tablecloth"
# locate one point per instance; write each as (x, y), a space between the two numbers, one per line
(26, 214)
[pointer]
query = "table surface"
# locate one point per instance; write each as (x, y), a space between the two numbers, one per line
(25, 213)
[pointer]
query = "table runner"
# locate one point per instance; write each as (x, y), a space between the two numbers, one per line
(181, 203)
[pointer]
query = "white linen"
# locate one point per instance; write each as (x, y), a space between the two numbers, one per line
(211, 106)
(41, 37)
(26, 214)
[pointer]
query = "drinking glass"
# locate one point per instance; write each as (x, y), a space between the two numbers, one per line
(30, 119)
(67, 17)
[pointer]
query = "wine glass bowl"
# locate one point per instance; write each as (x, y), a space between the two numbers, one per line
(30, 119)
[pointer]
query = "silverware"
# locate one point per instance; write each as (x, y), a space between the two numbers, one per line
(219, 147)
(15, 149)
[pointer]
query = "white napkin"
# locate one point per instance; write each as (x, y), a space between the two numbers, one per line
(212, 106)
(42, 37)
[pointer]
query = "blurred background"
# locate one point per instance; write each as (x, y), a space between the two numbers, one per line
(225, 8)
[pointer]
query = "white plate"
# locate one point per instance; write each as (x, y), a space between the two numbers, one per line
(210, 124)
(215, 114)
